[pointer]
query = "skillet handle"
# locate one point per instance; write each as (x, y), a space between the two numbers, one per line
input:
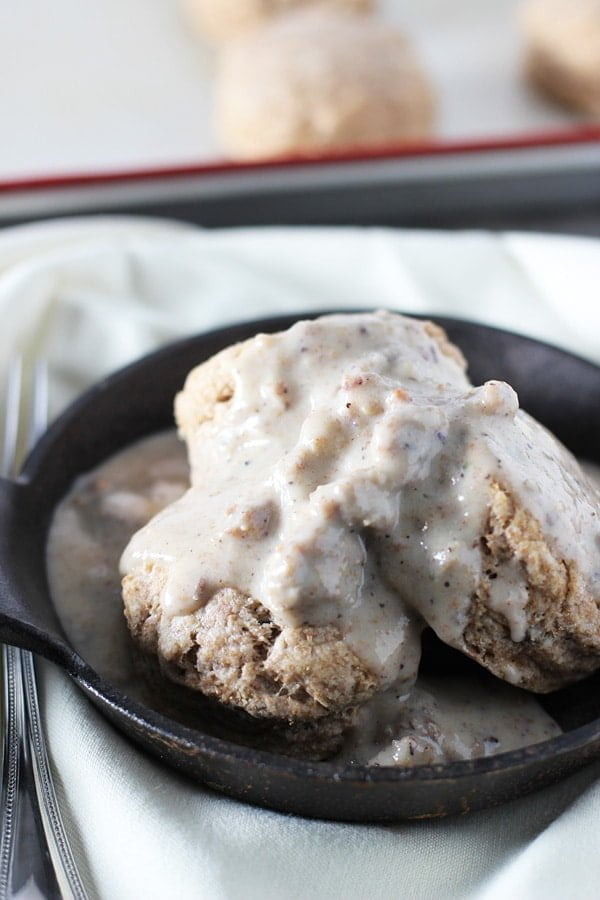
(27, 617)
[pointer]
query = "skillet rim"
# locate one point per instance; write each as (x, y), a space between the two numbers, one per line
(191, 741)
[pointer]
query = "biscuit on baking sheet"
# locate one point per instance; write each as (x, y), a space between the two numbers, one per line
(224, 19)
(315, 80)
(563, 50)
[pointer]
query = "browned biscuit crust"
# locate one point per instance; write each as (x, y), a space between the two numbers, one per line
(206, 387)
(307, 680)
(562, 641)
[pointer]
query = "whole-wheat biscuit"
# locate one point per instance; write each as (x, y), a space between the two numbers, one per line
(563, 50)
(225, 19)
(313, 80)
(563, 617)
(531, 615)
(305, 681)
(562, 639)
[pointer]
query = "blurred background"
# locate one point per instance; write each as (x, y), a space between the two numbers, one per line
(125, 86)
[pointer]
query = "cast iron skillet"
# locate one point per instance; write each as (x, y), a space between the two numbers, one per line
(559, 389)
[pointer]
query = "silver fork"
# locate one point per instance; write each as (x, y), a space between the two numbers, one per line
(34, 849)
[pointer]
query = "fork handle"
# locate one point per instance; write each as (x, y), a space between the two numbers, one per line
(27, 618)
(24, 852)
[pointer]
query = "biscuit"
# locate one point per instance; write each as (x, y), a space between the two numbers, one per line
(224, 19)
(305, 681)
(349, 484)
(562, 640)
(317, 80)
(563, 51)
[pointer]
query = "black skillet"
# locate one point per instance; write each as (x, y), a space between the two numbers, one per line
(559, 389)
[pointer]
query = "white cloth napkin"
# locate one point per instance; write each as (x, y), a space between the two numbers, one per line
(91, 295)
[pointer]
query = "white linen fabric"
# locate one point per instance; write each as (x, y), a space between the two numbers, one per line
(90, 295)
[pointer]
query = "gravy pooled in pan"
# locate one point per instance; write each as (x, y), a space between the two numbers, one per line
(349, 486)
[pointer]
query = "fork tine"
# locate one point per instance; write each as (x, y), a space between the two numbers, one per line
(11, 417)
(39, 403)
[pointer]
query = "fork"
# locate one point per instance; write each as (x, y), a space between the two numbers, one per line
(35, 856)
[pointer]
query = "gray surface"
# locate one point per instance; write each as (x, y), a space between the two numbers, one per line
(549, 188)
